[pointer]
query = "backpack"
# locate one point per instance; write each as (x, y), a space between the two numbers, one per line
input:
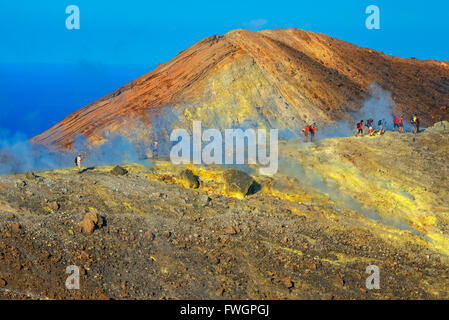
(76, 161)
(379, 123)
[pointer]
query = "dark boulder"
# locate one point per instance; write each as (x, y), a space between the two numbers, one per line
(188, 179)
(119, 171)
(238, 183)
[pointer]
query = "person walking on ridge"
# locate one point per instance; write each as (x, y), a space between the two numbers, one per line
(396, 124)
(415, 122)
(312, 129)
(78, 160)
(401, 124)
(360, 128)
(381, 125)
(305, 131)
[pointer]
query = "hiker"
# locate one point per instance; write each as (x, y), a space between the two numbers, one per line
(381, 124)
(370, 126)
(360, 128)
(315, 127)
(78, 161)
(305, 131)
(154, 149)
(415, 121)
(418, 122)
(312, 129)
(401, 124)
(396, 124)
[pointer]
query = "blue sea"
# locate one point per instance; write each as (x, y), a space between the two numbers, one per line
(34, 97)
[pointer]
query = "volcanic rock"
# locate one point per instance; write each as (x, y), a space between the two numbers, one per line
(119, 171)
(150, 235)
(237, 182)
(20, 183)
(91, 221)
(54, 205)
(16, 228)
(287, 283)
(30, 175)
(230, 230)
(205, 199)
(439, 127)
(188, 179)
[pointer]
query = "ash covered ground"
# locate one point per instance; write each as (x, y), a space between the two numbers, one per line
(190, 232)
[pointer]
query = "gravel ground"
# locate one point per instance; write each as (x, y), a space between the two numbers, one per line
(161, 240)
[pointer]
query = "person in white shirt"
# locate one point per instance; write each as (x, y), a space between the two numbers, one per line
(78, 161)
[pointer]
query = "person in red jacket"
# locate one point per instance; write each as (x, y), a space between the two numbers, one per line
(312, 129)
(396, 124)
(305, 131)
(401, 124)
(360, 128)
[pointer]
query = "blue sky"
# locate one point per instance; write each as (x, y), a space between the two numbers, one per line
(119, 40)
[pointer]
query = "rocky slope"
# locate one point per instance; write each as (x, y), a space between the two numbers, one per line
(309, 232)
(273, 78)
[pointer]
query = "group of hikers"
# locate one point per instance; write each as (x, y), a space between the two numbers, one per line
(398, 122)
(312, 128)
(370, 125)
